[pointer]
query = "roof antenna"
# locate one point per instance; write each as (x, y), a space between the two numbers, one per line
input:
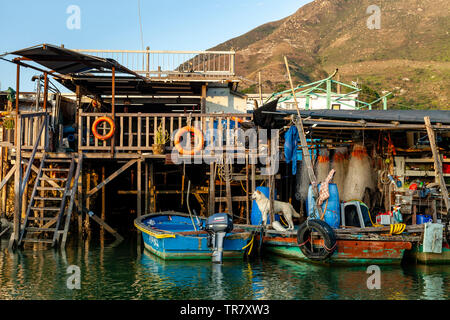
(140, 24)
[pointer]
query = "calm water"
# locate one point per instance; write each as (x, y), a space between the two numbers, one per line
(123, 272)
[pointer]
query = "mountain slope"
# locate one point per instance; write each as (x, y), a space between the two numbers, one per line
(409, 54)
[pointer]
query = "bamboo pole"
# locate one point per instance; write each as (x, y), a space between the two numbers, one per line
(305, 150)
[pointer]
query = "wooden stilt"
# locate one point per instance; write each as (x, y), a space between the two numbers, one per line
(80, 203)
(139, 188)
(87, 224)
(151, 182)
(146, 188)
(228, 188)
(103, 212)
(4, 170)
(212, 189)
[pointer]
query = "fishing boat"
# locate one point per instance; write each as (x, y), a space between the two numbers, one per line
(346, 252)
(176, 236)
(316, 242)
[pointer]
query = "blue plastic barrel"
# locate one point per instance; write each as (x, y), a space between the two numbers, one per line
(256, 217)
(422, 218)
(333, 214)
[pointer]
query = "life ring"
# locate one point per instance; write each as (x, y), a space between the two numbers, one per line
(326, 233)
(111, 130)
(239, 120)
(198, 143)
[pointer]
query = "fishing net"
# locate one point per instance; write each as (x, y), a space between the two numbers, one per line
(340, 165)
(322, 165)
(359, 176)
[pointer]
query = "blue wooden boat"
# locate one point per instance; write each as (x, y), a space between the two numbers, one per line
(172, 236)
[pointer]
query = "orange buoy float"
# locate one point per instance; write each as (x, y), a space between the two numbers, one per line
(111, 130)
(198, 138)
(239, 120)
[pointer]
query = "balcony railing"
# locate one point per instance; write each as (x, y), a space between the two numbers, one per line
(136, 131)
(151, 63)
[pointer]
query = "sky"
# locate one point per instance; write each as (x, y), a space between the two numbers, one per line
(114, 24)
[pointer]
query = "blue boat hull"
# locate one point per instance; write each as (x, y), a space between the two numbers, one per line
(176, 239)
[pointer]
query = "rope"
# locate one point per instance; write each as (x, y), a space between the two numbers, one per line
(302, 244)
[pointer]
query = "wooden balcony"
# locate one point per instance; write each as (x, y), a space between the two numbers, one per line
(135, 132)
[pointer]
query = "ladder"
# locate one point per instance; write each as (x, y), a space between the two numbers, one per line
(46, 216)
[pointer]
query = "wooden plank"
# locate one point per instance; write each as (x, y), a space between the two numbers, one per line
(8, 176)
(111, 177)
(106, 226)
(437, 162)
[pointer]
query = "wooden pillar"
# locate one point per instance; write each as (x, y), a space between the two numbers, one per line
(113, 105)
(212, 189)
(80, 203)
(151, 183)
(87, 223)
(139, 188)
(18, 173)
(45, 91)
(4, 159)
(103, 213)
(203, 99)
(228, 188)
(146, 187)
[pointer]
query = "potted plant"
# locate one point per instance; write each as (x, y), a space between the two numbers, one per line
(161, 138)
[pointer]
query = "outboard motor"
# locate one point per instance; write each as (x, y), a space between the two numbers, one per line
(217, 226)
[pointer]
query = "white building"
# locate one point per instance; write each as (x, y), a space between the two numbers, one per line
(314, 102)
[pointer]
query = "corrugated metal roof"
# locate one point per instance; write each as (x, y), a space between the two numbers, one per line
(65, 61)
(404, 116)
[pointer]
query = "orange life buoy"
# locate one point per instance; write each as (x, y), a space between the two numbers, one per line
(111, 130)
(239, 120)
(198, 136)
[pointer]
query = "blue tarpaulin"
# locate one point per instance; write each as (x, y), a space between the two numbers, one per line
(290, 147)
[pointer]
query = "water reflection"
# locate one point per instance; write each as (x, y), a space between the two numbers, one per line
(123, 272)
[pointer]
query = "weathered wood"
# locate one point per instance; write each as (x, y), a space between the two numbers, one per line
(111, 177)
(139, 189)
(228, 188)
(72, 200)
(8, 176)
(212, 190)
(437, 162)
(105, 225)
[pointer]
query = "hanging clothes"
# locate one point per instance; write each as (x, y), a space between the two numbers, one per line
(291, 140)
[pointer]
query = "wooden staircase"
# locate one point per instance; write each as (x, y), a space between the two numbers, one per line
(49, 209)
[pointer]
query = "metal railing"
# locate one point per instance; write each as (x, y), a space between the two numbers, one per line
(153, 63)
